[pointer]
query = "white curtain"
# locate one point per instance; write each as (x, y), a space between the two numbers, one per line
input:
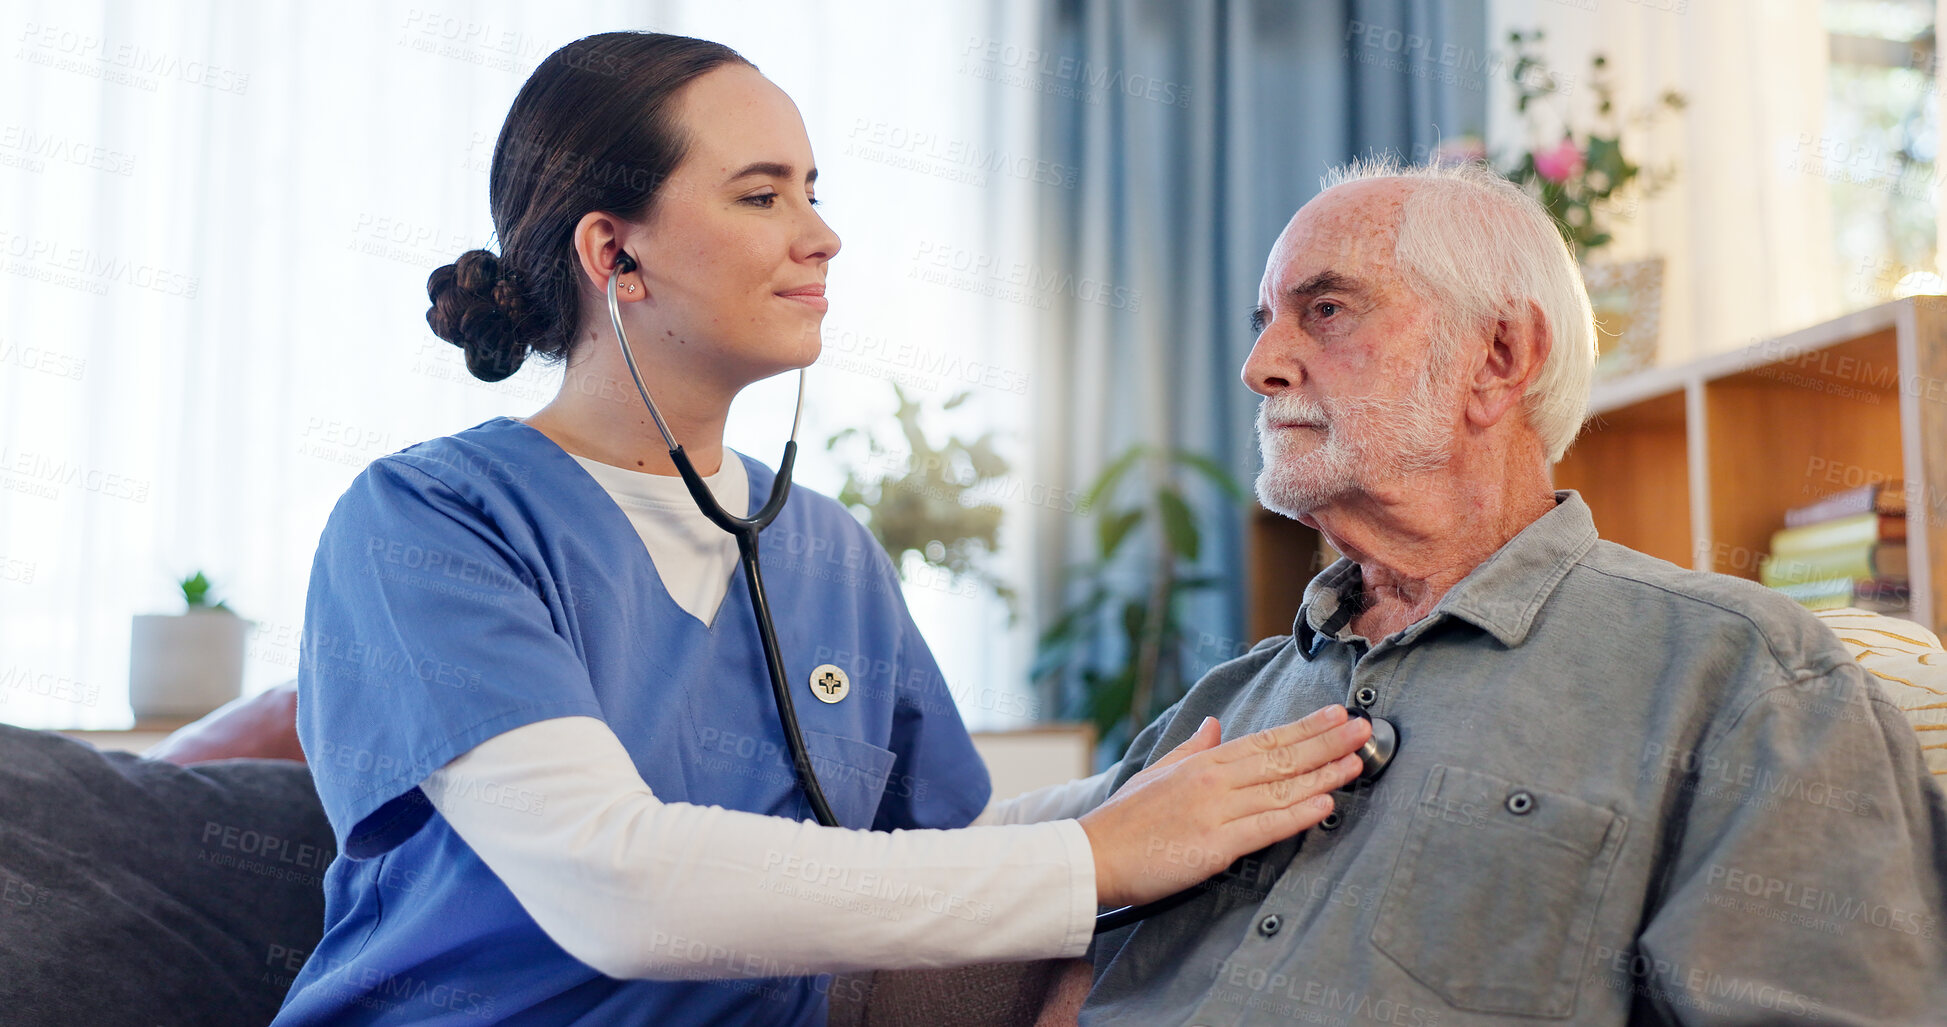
(1746, 227)
(217, 221)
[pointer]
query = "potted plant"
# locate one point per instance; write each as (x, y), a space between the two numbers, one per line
(1119, 654)
(928, 500)
(183, 665)
(1585, 181)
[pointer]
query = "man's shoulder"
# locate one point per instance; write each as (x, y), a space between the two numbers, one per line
(1656, 598)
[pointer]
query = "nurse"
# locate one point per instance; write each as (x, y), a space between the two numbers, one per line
(531, 689)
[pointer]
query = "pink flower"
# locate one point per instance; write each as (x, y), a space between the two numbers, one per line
(1560, 162)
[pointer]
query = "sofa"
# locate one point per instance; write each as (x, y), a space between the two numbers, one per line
(183, 886)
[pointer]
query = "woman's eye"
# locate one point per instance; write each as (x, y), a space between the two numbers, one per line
(764, 201)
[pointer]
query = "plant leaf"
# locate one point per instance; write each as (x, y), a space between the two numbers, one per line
(1111, 529)
(1215, 472)
(1179, 525)
(1111, 474)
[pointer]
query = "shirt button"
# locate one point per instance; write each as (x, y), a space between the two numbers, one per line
(1269, 925)
(1520, 802)
(1331, 822)
(1365, 696)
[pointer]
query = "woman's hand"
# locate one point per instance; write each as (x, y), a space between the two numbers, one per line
(1205, 804)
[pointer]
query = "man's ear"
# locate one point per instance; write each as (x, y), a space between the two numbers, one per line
(1514, 359)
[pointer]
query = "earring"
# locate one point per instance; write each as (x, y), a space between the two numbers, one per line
(632, 287)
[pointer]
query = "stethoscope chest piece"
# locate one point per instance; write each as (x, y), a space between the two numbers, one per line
(1377, 753)
(830, 683)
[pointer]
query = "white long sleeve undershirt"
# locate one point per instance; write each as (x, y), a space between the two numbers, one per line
(636, 887)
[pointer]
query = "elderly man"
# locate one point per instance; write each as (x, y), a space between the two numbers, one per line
(1625, 792)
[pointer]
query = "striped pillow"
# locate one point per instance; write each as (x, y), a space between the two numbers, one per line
(1911, 668)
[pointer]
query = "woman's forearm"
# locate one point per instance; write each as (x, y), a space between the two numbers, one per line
(636, 887)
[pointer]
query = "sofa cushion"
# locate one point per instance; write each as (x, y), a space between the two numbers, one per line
(1911, 669)
(135, 891)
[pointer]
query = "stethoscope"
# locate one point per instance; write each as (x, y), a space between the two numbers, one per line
(1374, 755)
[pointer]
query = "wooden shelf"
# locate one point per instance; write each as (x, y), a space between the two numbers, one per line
(1697, 464)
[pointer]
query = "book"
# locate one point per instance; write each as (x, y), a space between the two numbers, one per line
(1882, 560)
(1836, 593)
(1852, 530)
(1887, 497)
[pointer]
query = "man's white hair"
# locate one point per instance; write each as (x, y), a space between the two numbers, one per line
(1473, 243)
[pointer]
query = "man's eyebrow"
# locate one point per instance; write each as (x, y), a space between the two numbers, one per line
(1326, 281)
(772, 169)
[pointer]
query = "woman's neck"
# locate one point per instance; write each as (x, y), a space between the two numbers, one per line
(598, 415)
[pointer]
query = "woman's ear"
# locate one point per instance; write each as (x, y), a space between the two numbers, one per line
(1515, 357)
(599, 250)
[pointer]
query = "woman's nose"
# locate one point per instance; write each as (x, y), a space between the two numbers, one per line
(818, 242)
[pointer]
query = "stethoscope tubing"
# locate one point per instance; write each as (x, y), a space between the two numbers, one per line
(745, 530)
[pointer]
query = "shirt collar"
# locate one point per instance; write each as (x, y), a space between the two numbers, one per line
(1501, 596)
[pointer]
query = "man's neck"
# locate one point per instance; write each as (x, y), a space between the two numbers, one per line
(1417, 538)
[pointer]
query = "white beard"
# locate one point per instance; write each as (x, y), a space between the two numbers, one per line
(1368, 441)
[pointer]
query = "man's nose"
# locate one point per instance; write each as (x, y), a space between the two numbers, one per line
(1267, 371)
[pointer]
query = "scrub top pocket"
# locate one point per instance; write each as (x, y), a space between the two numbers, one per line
(851, 773)
(1494, 894)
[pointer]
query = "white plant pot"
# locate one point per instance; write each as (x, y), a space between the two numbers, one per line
(185, 664)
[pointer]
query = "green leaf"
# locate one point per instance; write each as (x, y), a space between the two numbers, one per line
(1605, 155)
(1215, 473)
(1111, 529)
(196, 589)
(1072, 619)
(1179, 525)
(1111, 474)
(1109, 700)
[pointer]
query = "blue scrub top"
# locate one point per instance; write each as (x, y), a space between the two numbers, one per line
(472, 584)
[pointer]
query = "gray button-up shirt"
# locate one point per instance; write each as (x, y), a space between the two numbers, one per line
(1625, 793)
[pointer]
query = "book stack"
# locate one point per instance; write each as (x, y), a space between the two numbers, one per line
(1847, 549)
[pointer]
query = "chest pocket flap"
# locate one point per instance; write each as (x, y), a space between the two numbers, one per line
(852, 775)
(1493, 897)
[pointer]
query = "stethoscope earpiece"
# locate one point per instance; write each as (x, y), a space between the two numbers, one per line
(1377, 754)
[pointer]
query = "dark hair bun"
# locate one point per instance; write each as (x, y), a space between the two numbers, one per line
(482, 311)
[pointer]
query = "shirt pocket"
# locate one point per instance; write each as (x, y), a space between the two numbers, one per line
(851, 773)
(1493, 897)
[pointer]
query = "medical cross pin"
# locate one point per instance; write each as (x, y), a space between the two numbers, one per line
(829, 683)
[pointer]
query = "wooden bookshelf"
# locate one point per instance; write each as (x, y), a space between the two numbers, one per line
(1698, 463)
